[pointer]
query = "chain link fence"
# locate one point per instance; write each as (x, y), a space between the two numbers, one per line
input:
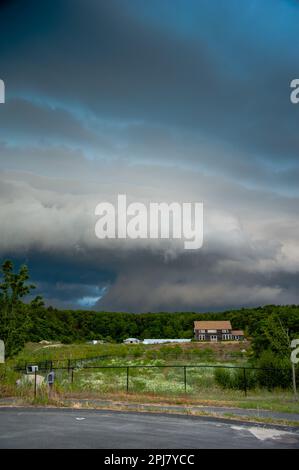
(161, 379)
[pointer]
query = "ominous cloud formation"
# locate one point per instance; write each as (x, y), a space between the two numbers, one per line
(163, 101)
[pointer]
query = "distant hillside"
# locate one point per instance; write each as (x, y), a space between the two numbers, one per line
(72, 326)
(34, 322)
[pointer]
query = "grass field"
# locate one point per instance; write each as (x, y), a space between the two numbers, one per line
(191, 352)
(110, 378)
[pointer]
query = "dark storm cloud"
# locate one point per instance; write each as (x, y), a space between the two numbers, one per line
(249, 245)
(146, 282)
(23, 119)
(52, 127)
(118, 65)
(172, 100)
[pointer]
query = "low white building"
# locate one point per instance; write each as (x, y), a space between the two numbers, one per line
(161, 341)
(131, 341)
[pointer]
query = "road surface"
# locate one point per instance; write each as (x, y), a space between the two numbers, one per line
(40, 428)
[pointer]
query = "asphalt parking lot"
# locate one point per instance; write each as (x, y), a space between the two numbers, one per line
(38, 428)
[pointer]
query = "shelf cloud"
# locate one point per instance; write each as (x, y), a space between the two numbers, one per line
(161, 101)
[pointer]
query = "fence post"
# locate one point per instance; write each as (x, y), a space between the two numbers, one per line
(294, 381)
(68, 365)
(185, 378)
(127, 379)
(245, 382)
(35, 383)
(72, 375)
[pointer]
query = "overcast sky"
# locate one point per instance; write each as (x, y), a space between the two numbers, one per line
(163, 100)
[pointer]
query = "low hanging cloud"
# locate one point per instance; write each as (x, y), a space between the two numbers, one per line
(242, 262)
(162, 103)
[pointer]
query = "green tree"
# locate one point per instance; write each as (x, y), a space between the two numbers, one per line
(14, 285)
(14, 317)
(271, 334)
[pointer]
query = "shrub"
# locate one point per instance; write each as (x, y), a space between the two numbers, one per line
(223, 377)
(279, 373)
(240, 380)
(234, 378)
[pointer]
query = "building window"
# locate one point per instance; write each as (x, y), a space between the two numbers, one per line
(226, 337)
(201, 337)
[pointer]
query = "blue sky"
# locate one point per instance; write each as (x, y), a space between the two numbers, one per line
(177, 100)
